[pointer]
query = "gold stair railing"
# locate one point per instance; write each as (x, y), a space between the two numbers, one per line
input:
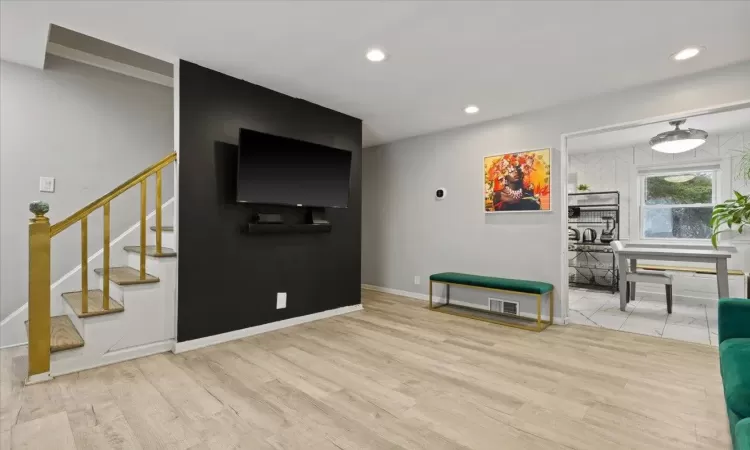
(40, 238)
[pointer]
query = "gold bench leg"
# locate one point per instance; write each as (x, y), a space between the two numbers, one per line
(430, 294)
(539, 312)
(551, 308)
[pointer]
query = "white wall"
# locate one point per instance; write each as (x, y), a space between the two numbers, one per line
(407, 233)
(89, 128)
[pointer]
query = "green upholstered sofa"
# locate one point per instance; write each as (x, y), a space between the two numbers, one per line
(734, 351)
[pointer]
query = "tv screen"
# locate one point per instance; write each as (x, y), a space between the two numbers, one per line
(282, 171)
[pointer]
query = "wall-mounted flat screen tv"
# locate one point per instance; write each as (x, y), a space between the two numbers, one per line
(281, 171)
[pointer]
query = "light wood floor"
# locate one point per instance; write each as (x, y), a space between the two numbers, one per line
(392, 376)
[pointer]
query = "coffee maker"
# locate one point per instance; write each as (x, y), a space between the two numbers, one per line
(608, 234)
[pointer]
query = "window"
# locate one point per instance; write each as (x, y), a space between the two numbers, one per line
(678, 204)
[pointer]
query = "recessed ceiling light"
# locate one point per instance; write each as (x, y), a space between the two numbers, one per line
(471, 109)
(686, 53)
(375, 55)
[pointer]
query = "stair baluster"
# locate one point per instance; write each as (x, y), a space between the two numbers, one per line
(158, 212)
(84, 265)
(105, 283)
(143, 229)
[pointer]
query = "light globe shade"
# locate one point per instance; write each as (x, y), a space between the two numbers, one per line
(471, 109)
(684, 145)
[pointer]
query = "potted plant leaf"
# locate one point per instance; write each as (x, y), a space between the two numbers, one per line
(582, 187)
(735, 212)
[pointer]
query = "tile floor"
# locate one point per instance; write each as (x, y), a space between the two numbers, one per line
(647, 314)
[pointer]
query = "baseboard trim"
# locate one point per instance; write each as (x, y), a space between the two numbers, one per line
(425, 297)
(181, 347)
(118, 356)
(20, 344)
(385, 290)
(38, 378)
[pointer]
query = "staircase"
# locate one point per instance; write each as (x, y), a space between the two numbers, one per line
(130, 310)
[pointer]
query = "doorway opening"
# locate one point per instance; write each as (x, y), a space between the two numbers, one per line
(621, 190)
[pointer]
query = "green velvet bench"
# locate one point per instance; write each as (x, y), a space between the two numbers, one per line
(734, 353)
(533, 288)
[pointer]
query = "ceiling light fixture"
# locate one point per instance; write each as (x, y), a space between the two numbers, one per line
(677, 140)
(376, 55)
(471, 109)
(686, 53)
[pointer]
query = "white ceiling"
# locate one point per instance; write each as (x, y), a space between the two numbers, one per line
(506, 57)
(714, 124)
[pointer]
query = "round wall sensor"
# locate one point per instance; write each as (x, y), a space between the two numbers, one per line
(440, 193)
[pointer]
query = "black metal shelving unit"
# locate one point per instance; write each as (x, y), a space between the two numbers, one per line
(592, 264)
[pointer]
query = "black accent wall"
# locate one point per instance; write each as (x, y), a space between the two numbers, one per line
(228, 279)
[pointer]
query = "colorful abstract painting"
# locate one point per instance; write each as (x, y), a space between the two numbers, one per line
(517, 181)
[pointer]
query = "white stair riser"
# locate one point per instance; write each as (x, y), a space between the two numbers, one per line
(153, 264)
(147, 320)
(100, 335)
(116, 291)
(68, 311)
(167, 238)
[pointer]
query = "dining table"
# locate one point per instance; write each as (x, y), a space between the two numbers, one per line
(631, 253)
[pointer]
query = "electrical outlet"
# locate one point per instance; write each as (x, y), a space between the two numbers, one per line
(46, 184)
(416, 279)
(280, 300)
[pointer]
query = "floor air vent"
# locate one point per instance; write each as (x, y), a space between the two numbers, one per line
(504, 306)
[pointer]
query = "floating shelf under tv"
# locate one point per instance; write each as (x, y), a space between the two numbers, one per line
(276, 228)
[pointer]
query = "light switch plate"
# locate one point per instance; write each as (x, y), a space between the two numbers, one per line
(46, 184)
(280, 300)
(417, 280)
